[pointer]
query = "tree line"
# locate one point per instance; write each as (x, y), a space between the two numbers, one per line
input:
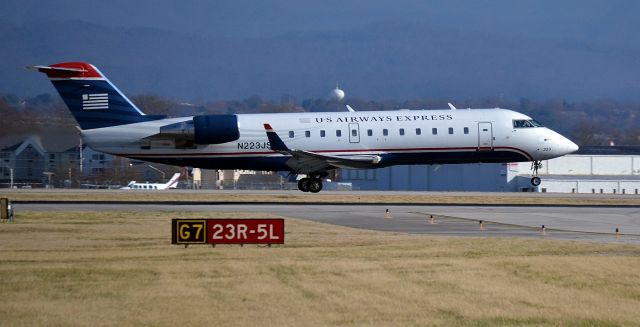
(586, 122)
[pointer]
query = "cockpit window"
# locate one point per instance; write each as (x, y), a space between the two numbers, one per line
(523, 123)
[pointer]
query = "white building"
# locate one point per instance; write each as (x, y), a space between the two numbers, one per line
(607, 170)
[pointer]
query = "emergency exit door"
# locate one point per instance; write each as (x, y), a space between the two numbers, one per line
(485, 137)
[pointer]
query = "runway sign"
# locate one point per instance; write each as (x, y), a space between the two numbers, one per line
(227, 231)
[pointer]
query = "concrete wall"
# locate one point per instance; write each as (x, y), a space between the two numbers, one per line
(469, 177)
(588, 165)
(590, 186)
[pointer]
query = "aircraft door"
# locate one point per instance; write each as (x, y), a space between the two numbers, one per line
(354, 133)
(485, 137)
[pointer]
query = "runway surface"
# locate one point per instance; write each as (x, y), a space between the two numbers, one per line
(566, 223)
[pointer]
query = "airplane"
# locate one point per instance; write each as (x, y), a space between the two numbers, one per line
(308, 143)
(172, 183)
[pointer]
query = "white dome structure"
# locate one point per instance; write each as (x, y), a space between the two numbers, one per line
(337, 94)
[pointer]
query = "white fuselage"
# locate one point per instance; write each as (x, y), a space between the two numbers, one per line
(133, 185)
(399, 137)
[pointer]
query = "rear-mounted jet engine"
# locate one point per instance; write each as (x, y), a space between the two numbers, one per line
(201, 130)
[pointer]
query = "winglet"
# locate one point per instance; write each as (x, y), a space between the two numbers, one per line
(452, 107)
(274, 140)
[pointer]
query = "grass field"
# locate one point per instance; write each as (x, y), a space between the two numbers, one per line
(325, 197)
(118, 268)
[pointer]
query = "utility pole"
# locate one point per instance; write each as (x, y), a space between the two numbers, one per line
(11, 172)
(81, 158)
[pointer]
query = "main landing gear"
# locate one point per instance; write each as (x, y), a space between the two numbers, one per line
(310, 184)
(535, 180)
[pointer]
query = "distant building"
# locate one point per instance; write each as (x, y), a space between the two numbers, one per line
(603, 169)
(607, 170)
(40, 161)
(24, 162)
(246, 179)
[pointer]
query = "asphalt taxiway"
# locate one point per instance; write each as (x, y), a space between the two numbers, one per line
(598, 223)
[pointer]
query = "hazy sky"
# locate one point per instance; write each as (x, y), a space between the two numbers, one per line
(395, 49)
(614, 21)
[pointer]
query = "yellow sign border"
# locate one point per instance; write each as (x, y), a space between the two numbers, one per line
(179, 221)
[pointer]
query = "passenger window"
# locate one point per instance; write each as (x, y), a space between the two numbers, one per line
(466, 130)
(354, 132)
(338, 133)
(450, 130)
(291, 134)
(307, 133)
(418, 131)
(385, 132)
(370, 132)
(322, 133)
(434, 131)
(402, 131)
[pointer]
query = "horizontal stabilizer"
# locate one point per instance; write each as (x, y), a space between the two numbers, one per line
(69, 70)
(44, 69)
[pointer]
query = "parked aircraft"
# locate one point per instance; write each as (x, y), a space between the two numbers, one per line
(310, 143)
(172, 183)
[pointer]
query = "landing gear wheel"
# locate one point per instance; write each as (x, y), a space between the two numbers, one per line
(314, 185)
(303, 184)
(535, 181)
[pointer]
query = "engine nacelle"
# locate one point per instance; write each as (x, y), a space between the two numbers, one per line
(208, 129)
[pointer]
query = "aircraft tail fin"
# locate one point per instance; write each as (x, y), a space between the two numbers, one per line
(92, 99)
(173, 182)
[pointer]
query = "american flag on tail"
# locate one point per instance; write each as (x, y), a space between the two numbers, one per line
(95, 101)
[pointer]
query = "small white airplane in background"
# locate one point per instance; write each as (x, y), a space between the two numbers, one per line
(307, 143)
(172, 183)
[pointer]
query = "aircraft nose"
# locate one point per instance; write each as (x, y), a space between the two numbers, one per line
(569, 147)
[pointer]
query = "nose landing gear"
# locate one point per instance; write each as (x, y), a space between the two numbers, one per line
(535, 180)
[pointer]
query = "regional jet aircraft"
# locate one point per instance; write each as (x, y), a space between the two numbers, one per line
(311, 143)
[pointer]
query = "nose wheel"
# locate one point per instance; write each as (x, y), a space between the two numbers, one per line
(535, 180)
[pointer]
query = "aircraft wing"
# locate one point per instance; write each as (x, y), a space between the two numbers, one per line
(308, 159)
(308, 162)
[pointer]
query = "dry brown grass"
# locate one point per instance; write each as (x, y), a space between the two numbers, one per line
(331, 197)
(118, 268)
